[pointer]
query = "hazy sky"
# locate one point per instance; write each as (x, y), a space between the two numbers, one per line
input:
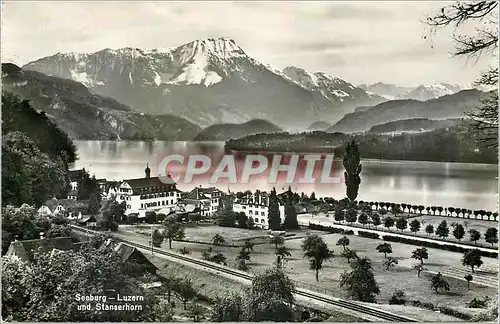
(361, 42)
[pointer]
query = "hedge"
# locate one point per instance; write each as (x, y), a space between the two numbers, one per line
(436, 245)
(368, 234)
(444, 310)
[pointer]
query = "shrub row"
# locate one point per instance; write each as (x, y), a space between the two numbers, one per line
(368, 234)
(207, 243)
(330, 229)
(436, 245)
(444, 310)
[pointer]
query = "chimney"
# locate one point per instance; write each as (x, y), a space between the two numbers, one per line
(147, 171)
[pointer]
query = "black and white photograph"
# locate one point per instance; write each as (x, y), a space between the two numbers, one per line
(249, 161)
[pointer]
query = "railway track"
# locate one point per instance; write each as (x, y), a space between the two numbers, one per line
(386, 316)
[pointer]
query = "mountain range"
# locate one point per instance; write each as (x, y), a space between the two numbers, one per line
(421, 92)
(208, 82)
(84, 115)
(453, 106)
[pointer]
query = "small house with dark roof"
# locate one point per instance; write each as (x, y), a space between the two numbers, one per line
(25, 250)
(147, 194)
(87, 221)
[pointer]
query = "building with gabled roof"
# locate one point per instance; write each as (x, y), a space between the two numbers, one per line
(147, 194)
(256, 206)
(25, 250)
(206, 199)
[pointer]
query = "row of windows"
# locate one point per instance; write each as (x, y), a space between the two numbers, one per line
(257, 213)
(157, 204)
(262, 220)
(159, 195)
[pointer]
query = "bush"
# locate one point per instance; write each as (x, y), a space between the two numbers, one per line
(436, 245)
(454, 313)
(368, 235)
(478, 303)
(398, 298)
(349, 232)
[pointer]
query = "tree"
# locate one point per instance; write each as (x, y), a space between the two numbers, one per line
(242, 258)
(276, 240)
(420, 254)
(390, 262)
(398, 298)
(376, 219)
(491, 235)
(429, 229)
(459, 232)
(107, 217)
(349, 254)
(344, 241)
(185, 291)
(384, 248)
(352, 167)
(484, 40)
(248, 245)
(389, 222)
(474, 235)
(250, 223)
(442, 230)
(468, 278)
(173, 230)
(242, 220)
(339, 215)
(360, 282)
(228, 308)
(415, 226)
(271, 297)
(363, 219)
(157, 238)
(218, 240)
(401, 223)
(18, 223)
(59, 231)
(274, 216)
(291, 221)
(419, 268)
(28, 175)
(281, 253)
(472, 259)
(150, 217)
(196, 311)
(316, 250)
(438, 283)
(352, 215)
(227, 217)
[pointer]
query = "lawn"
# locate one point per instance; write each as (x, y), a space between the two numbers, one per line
(402, 276)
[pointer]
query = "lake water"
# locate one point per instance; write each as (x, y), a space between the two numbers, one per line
(471, 186)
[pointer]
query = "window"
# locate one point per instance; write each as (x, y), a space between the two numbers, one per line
(142, 206)
(262, 214)
(262, 220)
(128, 206)
(250, 212)
(256, 219)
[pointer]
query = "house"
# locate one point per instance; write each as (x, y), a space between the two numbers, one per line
(147, 194)
(75, 176)
(56, 207)
(25, 250)
(256, 205)
(87, 221)
(182, 210)
(129, 253)
(206, 199)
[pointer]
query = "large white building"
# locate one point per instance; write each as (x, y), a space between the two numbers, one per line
(256, 206)
(206, 199)
(147, 194)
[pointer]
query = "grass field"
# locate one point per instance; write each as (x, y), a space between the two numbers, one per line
(480, 225)
(402, 276)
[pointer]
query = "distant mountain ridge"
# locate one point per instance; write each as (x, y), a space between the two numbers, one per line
(84, 115)
(209, 81)
(421, 92)
(413, 125)
(222, 132)
(449, 106)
